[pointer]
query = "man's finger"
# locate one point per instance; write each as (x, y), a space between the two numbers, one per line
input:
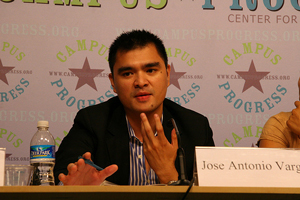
(297, 104)
(72, 168)
(174, 138)
(145, 138)
(87, 155)
(80, 165)
(147, 130)
(108, 171)
(159, 129)
(62, 177)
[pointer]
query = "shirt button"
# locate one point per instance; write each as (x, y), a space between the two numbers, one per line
(140, 156)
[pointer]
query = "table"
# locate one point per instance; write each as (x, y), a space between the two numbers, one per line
(145, 192)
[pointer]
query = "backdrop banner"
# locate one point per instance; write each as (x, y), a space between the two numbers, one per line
(236, 62)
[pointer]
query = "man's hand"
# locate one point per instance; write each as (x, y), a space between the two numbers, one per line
(80, 173)
(294, 121)
(159, 153)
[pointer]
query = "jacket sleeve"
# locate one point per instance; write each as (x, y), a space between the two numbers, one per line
(79, 140)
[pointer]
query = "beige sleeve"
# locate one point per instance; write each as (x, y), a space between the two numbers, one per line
(274, 130)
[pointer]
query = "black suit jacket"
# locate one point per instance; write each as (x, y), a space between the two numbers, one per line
(102, 130)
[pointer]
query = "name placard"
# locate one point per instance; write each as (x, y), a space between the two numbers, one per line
(2, 165)
(247, 167)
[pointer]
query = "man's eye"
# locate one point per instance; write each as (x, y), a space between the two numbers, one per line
(126, 74)
(151, 70)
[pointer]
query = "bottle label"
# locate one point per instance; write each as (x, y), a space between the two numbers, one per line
(42, 151)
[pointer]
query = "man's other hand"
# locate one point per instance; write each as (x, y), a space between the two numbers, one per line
(80, 173)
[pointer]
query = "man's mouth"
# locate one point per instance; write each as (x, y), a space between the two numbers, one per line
(142, 96)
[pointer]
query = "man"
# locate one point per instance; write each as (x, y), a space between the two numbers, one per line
(283, 130)
(130, 134)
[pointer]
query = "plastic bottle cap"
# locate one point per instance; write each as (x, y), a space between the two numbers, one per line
(43, 124)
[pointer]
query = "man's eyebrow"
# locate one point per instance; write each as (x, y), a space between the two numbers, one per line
(147, 65)
(122, 69)
(154, 64)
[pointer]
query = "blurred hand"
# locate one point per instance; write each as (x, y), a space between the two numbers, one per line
(294, 121)
(80, 173)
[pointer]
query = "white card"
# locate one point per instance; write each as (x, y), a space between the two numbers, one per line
(247, 167)
(2, 165)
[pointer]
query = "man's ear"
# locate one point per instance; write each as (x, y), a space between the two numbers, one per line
(111, 78)
(168, 73)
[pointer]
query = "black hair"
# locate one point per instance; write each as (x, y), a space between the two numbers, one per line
(132, 40)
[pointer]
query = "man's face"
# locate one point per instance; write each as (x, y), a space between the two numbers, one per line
(141, 79)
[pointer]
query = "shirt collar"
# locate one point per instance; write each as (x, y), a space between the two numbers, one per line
(131, 131)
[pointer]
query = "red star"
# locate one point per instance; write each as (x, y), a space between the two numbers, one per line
(7, 155)
(86, 75)
(3, 71)
(174, 76)
(252, 78)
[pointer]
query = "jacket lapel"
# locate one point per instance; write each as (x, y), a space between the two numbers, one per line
(117, 141)
(167, 125)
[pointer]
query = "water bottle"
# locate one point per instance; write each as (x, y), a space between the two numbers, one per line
(42, 155)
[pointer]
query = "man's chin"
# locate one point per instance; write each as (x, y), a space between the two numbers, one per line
(143, 107)
(148, 109)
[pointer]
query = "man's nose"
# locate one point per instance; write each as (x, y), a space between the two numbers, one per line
(141, 80)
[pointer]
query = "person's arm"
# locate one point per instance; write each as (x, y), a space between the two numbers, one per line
(270, 144)
(274, 133)
(160, 154)
(274, 127)
(80, 173)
